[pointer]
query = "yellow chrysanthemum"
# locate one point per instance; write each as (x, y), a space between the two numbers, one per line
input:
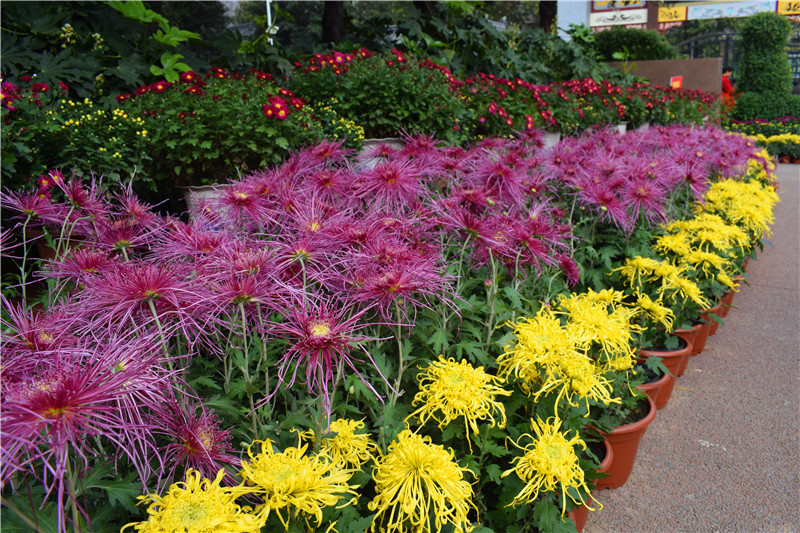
(590, 322)
(748, 205)
(706, 261)
(689, 290)
(637, 269)
(292, 479)
(344, 445)
(654, 310)
(198, 505)
(549, 464)
(576, 375)
(450, 390)
(728, 281)
(539, 340)
(418, 481)
(672, 245)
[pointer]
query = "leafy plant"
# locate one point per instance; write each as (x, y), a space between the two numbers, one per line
(385, 93)
(638, 44)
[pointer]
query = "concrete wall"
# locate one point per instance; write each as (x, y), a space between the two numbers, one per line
(704, 73)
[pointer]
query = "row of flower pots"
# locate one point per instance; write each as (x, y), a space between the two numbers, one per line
(622, 444)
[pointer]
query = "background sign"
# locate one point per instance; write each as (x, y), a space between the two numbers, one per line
(616, 18)
(730, 9)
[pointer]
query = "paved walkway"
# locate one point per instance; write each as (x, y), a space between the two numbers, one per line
(724, 454)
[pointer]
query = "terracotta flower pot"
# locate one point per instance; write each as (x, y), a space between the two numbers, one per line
(726, 303)
(673, 360)
(700, 337)
(653, 388)
(580, 515)
(690, 336)
(624, 441)
(714, 324)
(785, 159)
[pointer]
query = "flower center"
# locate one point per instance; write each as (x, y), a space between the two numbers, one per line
(319, 329)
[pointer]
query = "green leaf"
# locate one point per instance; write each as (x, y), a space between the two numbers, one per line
(173, 36)
(548, 516)
(136, 10)
(438, 340)
(282, 142)
(494, 472)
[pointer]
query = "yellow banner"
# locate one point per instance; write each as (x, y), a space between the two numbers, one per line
(673, 14)
(787, 7)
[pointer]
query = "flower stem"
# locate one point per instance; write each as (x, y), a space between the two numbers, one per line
(73, 500)
(22, 271)
(160, 332)
(491, 298)
(245, 371)
(400, 362)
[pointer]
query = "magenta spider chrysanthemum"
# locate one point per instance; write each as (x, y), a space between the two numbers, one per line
(51, 420)
(140, 293)
(197, 440)
(409, 284)
(394, 184)
(30, 204)
(501, 180)
(605, 204)
(80, 264)
(322, 335)
(645, 198)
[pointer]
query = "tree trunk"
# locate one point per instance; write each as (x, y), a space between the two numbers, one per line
(548, 11)
(333, 21)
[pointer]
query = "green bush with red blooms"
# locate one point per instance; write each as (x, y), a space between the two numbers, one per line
(504, 106)
(386, 93)
(206, 129)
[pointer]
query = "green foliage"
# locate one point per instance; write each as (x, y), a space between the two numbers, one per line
(98, 48)
(385, 93)
(764, 64)
(637, 44)
(74, 135)
(766, 105)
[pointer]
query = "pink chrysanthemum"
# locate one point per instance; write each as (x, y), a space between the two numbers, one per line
(198, 441)
(51, 420)
(393, 184)
(322, 335)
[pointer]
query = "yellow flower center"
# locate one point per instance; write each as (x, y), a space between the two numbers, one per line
(319, 329)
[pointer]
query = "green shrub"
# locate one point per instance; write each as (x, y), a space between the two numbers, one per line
(385, 93)
(43, 130)
(633, 44)
(766, 105)
(764, 64)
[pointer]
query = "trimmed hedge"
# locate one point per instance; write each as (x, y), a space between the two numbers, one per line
(640, 44)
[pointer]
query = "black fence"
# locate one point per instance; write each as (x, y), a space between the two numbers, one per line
(726, 46)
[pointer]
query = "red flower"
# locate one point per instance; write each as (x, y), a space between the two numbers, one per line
(123, 97)
(217, 72)
(160, 86)
(40, 87)
(142, 90)
(25, 78)
(189, 77)
(194, 89)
